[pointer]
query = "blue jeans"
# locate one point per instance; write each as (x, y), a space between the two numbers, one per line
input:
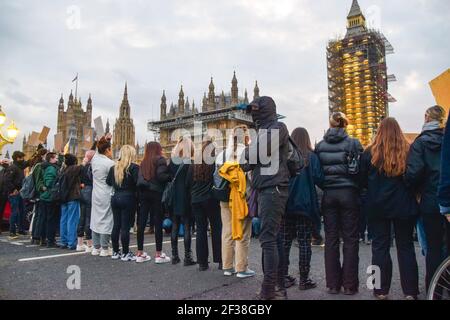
(421, 236)
(17, 214)
(70, 216)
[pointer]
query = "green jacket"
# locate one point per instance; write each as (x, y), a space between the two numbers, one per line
(50, 174)
(38, 177)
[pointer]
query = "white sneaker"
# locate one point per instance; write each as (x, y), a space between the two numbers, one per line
(144, 257)
(246, 274)
(88, 249)
(105, 253)
(128, 257)
(81, 248)
(229, 272)
(162, 259)
(95, 252)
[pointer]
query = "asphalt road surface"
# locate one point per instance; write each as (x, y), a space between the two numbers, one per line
(32, 272)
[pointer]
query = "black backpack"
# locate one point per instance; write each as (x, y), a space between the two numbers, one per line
(60, 191)
(221, 187)
(295, 161)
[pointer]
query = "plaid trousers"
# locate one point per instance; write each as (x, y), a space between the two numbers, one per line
(300, 228)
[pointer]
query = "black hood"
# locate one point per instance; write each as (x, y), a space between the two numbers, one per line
(267, 112)
(335, 135)
(433, 139)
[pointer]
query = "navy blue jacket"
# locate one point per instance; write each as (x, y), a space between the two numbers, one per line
(303, 198)
(444, 185)
(424, 168)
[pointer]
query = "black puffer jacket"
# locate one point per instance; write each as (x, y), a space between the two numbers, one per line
(333, 153)
(266, 121)
(424, 169)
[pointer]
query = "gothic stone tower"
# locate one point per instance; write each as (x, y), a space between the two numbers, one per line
(357, 76)
(72, 122)
(124, 133)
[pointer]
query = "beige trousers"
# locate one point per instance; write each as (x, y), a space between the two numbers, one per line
(234, 253)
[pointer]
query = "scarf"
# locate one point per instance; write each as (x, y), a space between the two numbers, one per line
(430, 126)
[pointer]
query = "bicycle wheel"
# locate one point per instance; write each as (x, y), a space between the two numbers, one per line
(440, 285)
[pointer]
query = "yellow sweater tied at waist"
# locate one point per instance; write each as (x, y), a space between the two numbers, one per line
(233, 173)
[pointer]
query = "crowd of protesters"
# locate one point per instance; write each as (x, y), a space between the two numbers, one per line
(389, 188)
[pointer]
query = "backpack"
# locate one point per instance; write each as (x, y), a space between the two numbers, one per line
(295, 161)
(221, 187)
(28, 191)
(169, 191)
(60, 191)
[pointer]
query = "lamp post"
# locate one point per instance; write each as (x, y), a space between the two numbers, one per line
(11, 131)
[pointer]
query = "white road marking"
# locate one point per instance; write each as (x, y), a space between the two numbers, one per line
(81, 253)
(32, 246)
(17, 243)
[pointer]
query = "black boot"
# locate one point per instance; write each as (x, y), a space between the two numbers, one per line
(188, 261)
(175, 257)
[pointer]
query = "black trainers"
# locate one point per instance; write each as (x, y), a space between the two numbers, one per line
(203, 267)
(306, 284)
(188, 261)
(176, 260)
(289, 281)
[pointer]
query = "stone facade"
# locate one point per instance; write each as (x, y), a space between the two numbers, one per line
(73, 122)
(218, 112)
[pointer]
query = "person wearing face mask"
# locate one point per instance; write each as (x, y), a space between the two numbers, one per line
(13, 179)
(271, 181)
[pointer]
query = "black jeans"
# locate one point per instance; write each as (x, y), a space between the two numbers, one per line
(39, 226)
(300, 228)
(205, 211)
(50, 219)
(84, 226)
(435, 226)
(381, 257)
(123, 207)
(341, 212)
(150, 203)
(176, 221)
(271, 205)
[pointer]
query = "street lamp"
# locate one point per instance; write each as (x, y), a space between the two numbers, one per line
(11, 131)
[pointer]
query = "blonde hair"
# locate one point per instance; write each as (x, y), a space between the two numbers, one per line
(338, 120)
(126, 158)
(437, 113)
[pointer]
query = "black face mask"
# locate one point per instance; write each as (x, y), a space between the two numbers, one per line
(20, 163)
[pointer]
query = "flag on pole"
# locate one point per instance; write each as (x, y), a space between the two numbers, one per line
(76, 78)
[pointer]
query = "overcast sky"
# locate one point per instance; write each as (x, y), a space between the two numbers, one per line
(156, 45)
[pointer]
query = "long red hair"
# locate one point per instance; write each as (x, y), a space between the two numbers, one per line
(390, 149)
(153, 151)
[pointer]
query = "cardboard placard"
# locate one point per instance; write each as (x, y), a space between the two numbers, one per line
(44, 134)
(59, 142)
(99, 129)
(34, 139)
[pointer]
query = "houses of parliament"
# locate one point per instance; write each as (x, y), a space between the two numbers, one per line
(74, 125)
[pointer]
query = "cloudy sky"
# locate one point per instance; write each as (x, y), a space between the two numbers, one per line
(156, 45)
